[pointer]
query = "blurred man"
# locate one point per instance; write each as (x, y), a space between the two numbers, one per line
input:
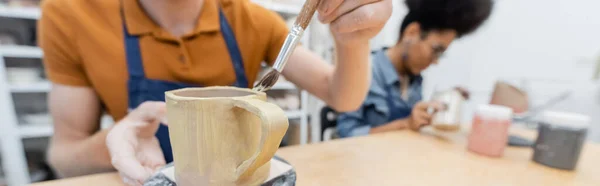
(120, 56)
(394, 98)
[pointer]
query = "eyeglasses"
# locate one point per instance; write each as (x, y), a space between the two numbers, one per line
(438, 50)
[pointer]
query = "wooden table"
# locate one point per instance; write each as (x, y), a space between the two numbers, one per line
(409, 158)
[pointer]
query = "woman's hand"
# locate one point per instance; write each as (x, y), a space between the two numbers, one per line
(134, 150)
(420, 117)
(355, 21)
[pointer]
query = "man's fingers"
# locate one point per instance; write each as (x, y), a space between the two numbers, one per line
(153, 155)
(327, 6)
(131, 168)
(136, 166)
(122, 152)
(146, 117)
(370, 15)
(125, 137)
(129, 181)
(124, 160)
(148, 112)
(164, 121)
(344, 8)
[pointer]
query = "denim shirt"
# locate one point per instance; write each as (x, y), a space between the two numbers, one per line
(374, 111)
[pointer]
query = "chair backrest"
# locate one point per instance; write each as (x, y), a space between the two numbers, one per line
(328, 118)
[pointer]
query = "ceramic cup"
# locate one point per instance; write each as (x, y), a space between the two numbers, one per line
(560, 139)
(223, 136)
(489, 132)
(449, 118)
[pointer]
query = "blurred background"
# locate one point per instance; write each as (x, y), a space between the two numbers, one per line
(543, 47)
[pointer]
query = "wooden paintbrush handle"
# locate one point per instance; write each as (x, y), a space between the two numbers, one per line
(307, 12)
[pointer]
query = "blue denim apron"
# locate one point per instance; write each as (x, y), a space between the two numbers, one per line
(141, 89)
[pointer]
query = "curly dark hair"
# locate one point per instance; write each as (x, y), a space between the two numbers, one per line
(463, 16)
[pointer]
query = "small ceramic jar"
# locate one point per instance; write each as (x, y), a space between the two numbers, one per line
(560, 139)
(489, 132)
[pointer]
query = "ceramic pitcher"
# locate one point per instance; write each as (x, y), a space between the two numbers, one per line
(223, 135)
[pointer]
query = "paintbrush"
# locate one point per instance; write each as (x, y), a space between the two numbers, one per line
(291, 41)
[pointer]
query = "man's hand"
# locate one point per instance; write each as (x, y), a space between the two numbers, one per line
(355, 21)
(420, 116)
(134, 150)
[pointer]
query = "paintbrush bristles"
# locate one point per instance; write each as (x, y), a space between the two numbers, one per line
(267, 81)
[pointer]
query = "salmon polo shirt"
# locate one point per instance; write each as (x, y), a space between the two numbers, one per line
(83, 45)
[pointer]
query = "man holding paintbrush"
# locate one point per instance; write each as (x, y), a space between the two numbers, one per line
(119, 56)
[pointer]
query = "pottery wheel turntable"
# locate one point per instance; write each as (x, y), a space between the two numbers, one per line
(282, 174)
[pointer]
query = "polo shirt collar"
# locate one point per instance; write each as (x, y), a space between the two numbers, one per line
(390, 75)
(139, 23)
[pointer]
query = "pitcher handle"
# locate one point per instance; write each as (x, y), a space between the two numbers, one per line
(274, 124)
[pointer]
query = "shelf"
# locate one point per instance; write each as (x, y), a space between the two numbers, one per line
(19, 51)
(279, 7)
(20, 12)
(35, 130)
(294, 114)
(31, 88)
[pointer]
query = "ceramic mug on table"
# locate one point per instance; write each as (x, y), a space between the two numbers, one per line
(561, 137)
(449, 118)
(223, 135)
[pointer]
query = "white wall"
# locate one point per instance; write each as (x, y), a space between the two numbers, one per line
(551, 45)
(389, 35)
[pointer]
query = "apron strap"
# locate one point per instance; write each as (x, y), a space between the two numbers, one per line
(234, 51)
(132, 49)
(133, 54)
